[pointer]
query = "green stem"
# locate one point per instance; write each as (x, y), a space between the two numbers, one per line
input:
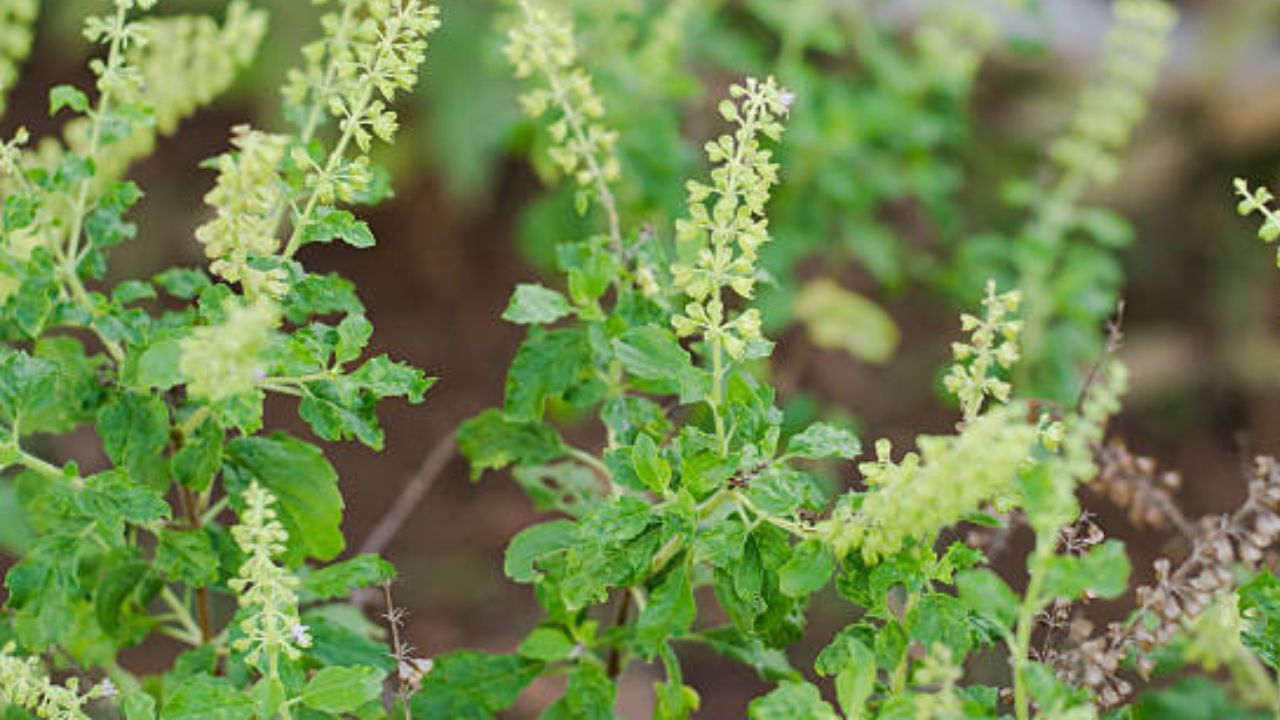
(1031, 603)
(354, 120)
(70, 256)
(898, 681)
(574, 122)
(183, 615)
(717, 393)
(44, 467)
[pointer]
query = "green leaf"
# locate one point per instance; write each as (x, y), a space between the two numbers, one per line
(669, 613)
(385, 377)
(339, 579)
(730, 642)
(183, 283)
(328, 223)
(204, 697)
(24, 382)
(653, 354)
(138, 705)
(269, 696)
(305, 484)
(66, 96)
(652, 469)
(159, 365)
(536, 305)
(340, 690)
(588, 696)
(339, 642)
(111, 499)
(792, 700)
(200, 457)
(824, 440)
(470, 685)
(564, 487)
(1259, 605)
(134, 430)
(853, 665)
(1102, 571)
(547, 365)
(187, 556)
(843, 320)
(536, 542)
(808, 569)
(984, 593)
(547, 645)
(354, 332)
(337, 410)
(491, 441)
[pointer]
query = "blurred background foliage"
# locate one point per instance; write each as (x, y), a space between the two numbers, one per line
(919, 131)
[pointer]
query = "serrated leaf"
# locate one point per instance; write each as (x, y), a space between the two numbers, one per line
(469, 685)
(669, 613)
(134, 430)
(792, 700)
(1102, 571)
(824, 440)
(385, 378)
(328, 223)
(187, 556)
(547, 365)
(491, 442)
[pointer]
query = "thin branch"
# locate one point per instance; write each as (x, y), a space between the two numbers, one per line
(411, 496)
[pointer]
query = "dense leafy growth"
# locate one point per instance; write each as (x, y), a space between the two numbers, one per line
(705, 515)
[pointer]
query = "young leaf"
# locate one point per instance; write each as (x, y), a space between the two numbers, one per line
(823, 440)
(669, 613)
(652, 469)
(536, 305)
(792, 700)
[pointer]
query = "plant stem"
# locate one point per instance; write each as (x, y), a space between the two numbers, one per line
(593, 167)
(1031, 603)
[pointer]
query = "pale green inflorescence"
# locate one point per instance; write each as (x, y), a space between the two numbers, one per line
(542, 47)
(1111, 108)
(993, 345)
(371, 50)
(1259, 200)
(246, 196)
(950, 477)
(186, 61)
(17, 18)
(725, 233)
(222, 360)
(25, 684)
(265, 590)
